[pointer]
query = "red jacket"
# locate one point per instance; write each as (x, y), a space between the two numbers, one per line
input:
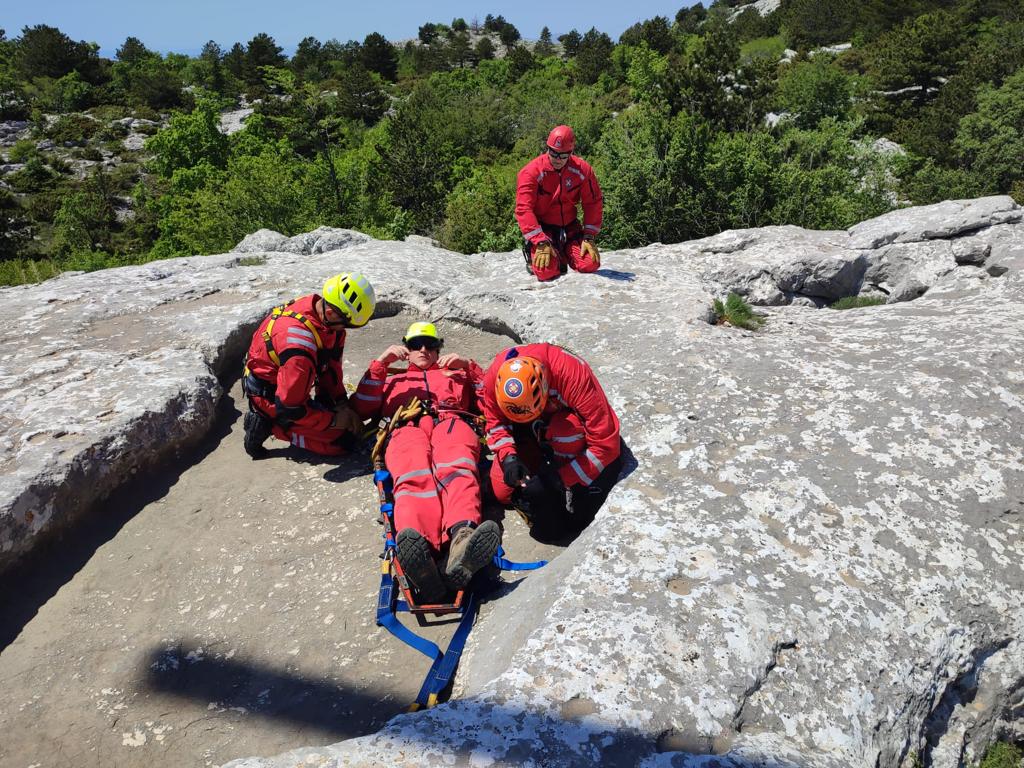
(380, 394)
(571, 385)
(303, 362)
(547, 196)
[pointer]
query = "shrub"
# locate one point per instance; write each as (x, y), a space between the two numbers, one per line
(76, 129)
(1002, 755)
(22, 151)
(854, 302)
(736, 312)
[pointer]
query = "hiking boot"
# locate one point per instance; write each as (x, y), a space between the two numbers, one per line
(416, 557)
(257, 428)
(471, 549)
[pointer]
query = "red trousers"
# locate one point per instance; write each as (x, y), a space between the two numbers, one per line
(437, 482)
(302, 433)
(563, 437)
(571, 255)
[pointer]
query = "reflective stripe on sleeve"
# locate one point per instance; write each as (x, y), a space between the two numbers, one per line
(569, 439)
(533, 232)
(300, 342)
(580, 473)
(503, 441)
(593, 460)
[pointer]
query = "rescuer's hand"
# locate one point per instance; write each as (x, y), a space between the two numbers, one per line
(589, 248)
(542, 255)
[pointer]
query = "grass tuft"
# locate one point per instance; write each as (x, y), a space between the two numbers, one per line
(853, 302)
(736, 312)
(252, 261)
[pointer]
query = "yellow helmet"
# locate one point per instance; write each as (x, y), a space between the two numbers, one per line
(421, 329)
(352, 295)
(422, 335)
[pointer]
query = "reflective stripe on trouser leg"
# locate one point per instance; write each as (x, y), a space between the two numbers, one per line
(456, 451)
(417, 504)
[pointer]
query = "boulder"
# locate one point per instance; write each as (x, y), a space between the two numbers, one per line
(814, 559)
(261, 240)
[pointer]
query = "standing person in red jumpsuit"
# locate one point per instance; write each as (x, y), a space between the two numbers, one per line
(548, 189)
(554, 435)
(297, 348)
(433, 459)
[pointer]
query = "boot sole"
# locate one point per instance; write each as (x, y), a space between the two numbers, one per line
(482, 546)
(419, 567)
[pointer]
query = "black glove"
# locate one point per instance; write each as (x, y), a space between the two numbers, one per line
(513, 471)
(551, 479)
(533, 496)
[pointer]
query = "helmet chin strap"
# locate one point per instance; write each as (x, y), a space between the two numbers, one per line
(343, 323)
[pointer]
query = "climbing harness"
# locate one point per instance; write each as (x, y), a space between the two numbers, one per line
(396, 594)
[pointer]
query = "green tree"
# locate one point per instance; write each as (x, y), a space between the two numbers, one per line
(86, 219)
(520, 61)
(132, 51)
(479, 212)
(459, 49)
(148, 81)
(652, 172)
(815, 89)
(378, 55)
(570, 43)
(991, 140)
(655, 33)
(44, 51)
(509, 36)
(428, 33)
(189, 140)
(234, 61)
(360, 95)
(262, 51)
(688, 20)
(308, 62)
(459, 25)
(705, 70)
(812, 23)
(594, 56)
(544, 46)
(484, 49)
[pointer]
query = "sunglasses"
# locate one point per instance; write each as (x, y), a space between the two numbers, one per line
(559, 155)
(423, 342)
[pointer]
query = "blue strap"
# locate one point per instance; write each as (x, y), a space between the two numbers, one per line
(443, 668)
(507, 565)
(386, 606)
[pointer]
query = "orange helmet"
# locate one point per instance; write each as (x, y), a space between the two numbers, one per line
(522, 389)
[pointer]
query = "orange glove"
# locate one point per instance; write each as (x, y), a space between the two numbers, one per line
(542, 255)
(589, 248)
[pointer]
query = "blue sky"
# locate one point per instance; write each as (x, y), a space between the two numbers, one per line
(184, 25)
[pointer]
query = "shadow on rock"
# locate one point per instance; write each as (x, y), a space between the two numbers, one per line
(264, 691)
(460, 728)
(614, 274)
(55, 563)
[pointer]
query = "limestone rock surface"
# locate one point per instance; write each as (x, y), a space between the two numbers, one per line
(814, 560)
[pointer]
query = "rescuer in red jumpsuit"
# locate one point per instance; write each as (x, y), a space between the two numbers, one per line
(297, 348)
(548, 189)
(432, 459)
(554, 435)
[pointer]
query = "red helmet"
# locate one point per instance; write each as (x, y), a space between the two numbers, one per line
(521, 389)
(562, 139)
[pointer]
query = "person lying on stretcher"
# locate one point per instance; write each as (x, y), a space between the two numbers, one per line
(433, 460)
